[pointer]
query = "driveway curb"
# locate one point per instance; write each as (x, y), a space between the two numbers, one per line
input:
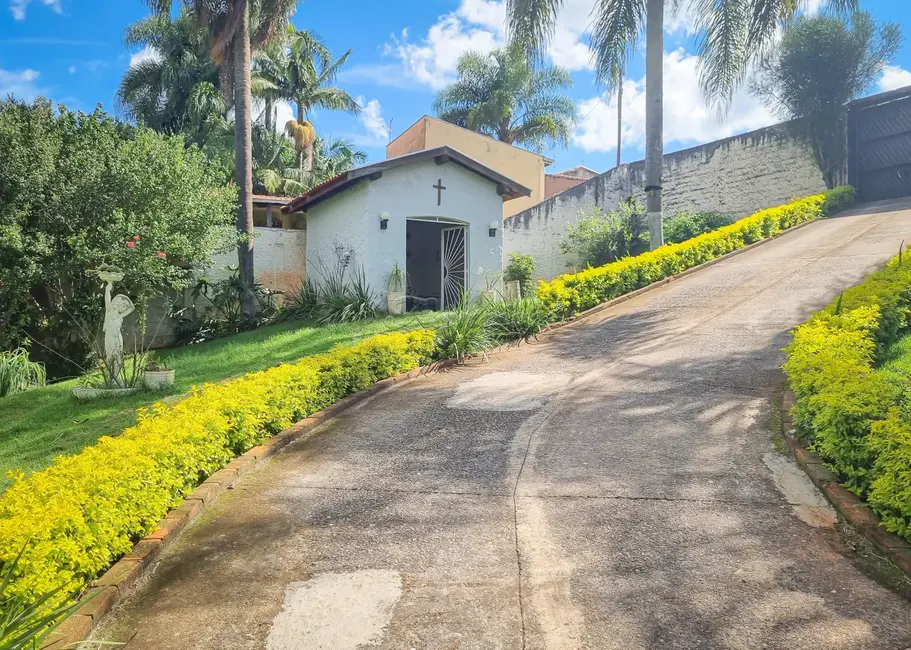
(856, 512)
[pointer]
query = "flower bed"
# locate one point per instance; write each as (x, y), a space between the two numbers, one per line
(79, 515)
(852, 411)
(572, 293)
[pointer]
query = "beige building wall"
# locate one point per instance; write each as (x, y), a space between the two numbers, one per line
(522, 166)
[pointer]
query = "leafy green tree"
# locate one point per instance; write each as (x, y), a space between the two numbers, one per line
(731, 34)
(599, 238)
(302, 72)
(79, 192)
(501, 95)
(176, 91)
(820, 65)
(234, 29)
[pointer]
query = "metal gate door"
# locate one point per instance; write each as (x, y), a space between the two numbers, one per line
(880, 145)
(455, 266)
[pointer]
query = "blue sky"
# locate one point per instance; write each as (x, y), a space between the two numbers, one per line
(404, 51)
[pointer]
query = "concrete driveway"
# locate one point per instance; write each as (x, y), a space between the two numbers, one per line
(608, 488)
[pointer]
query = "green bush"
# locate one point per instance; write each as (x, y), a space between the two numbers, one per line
(84, 511)
(600, 238)
(687, 225)
(838, 199)
(517, 320)
(466, 331)
(572, 293)
(521, 269)
(849, 372)
(18, 373)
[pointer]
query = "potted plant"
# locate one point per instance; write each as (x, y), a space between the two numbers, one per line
(491, 281)
(156, 375)
(395, 289)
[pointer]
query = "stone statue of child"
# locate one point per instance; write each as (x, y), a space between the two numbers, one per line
(115, 310)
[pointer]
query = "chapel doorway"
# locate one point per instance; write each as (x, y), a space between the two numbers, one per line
(436, 263)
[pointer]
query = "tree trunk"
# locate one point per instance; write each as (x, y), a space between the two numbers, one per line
(619, 115)
(243, 157)
(654, 117)
(268, 122)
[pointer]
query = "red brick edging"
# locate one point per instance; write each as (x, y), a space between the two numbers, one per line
(857, 513)
(115, 584)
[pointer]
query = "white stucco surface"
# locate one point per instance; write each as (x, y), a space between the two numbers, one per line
(352, 219)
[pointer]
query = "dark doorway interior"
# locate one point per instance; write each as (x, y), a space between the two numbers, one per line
(423, 264)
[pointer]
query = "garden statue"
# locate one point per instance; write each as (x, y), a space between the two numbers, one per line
(115, 310)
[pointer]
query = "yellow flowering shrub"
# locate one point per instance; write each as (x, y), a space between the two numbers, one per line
(572, 293)
(84, 511)
(847, 407)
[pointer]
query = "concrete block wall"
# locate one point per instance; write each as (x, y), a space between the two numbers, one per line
(735, 176)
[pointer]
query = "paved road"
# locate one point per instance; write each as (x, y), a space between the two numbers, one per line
(609, 488)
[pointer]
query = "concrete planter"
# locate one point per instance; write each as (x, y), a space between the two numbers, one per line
(513, 290)
(157, 379)
(488, 296)
(86, 393)
(395, 302)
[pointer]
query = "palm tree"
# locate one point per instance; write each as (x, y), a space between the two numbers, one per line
(233, 29)
(175, 91)
(732, 33)
(302, 72)
(275, 166)
(501, 95)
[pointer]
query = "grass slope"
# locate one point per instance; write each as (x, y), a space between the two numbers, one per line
(38, 425)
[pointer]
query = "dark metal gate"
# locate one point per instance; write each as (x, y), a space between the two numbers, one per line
(879, 137)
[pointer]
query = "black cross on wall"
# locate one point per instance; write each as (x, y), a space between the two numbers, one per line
(439, 188)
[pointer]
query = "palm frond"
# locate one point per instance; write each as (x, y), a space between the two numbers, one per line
(615, 33)
(531, 24)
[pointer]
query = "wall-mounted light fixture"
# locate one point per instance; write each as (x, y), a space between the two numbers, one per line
(493, 228)
(384, 220)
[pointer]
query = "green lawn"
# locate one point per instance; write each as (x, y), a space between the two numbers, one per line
(40, 424)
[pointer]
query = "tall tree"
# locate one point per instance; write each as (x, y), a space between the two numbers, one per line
(303, 72)
(175, 89)
(820, 65)
(501, 95)
(234, 27)
(731, 34)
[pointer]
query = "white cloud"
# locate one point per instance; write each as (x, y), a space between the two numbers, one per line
(894, 77)
(371, 118)
(148, 53)
(72, 69)
(19, 7)
(687, 119)
(19, 84)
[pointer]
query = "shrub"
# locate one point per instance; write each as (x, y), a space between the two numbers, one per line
(466, 331)
(517, 320)
(86, 510)
(521, 269)
(849, 372)
(687, 225)
(18, 373)
(79, 191)
(346, 302)
(599, 238)
(572, 293)
(838, 199)
(26, 623)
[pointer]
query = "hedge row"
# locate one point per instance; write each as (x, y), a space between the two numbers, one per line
(852, 413)
(572, 293)
(82, 513)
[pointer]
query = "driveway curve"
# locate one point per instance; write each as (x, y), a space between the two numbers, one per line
(607, 488)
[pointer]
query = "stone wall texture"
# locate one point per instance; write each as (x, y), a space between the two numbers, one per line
(735, 176)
